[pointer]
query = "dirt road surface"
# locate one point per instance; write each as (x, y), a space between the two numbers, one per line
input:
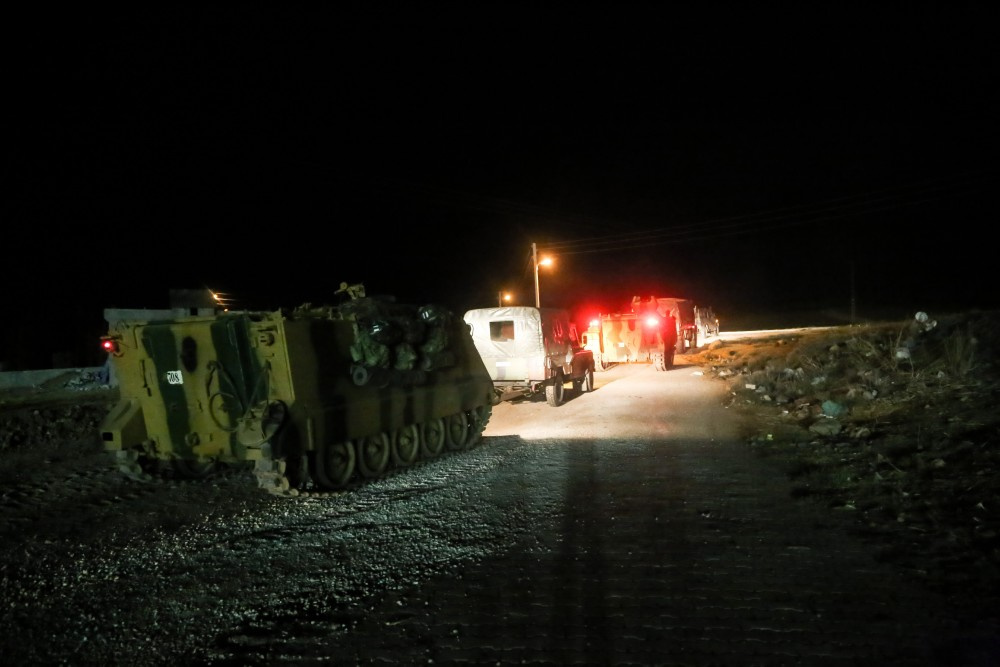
(629, 526)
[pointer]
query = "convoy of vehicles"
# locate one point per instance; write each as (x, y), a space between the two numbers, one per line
(316, 399)
(652, 330)
(530, 350)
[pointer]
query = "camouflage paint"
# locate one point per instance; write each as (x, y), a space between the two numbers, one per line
(196, 378)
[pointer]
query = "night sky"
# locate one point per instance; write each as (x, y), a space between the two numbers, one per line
(837, 158)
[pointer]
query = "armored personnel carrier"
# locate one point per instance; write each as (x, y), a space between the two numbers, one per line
(316, 399)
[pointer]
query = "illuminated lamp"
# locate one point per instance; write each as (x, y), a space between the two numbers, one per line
(110, 345)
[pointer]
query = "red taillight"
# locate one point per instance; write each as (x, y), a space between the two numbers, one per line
(652, 321)
(110, 345)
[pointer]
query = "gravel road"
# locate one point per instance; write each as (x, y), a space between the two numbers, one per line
(552, 542)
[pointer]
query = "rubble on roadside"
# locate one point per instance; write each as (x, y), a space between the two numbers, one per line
(896, 422)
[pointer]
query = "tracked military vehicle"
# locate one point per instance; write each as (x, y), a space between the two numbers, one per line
(315, 399)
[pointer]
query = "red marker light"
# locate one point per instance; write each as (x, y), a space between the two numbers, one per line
(110, 345)
(652, 321)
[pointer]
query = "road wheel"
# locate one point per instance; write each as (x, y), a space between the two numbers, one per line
(478, 419)
(658, 363)
(405, 445)
(333, 465)
(554, 391)
(373, 453)
(588, 381)
(457, 429)
(432, 437)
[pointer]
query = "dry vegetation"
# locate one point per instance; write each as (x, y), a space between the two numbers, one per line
(896, 423)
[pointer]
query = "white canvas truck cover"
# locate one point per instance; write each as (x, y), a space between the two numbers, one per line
(515, 340)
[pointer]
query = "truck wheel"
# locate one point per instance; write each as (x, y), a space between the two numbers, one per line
(588, 381)
(554, 390)
(668, 362)
(658, 361)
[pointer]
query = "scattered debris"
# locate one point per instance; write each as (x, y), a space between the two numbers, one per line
(907, 440)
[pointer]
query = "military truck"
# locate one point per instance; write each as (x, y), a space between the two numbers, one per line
(681, 311)
(707, 323)
(644, 336)
(651, 330)
(531, 350)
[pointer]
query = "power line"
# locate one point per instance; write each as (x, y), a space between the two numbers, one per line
(774, 219)
(910, 194)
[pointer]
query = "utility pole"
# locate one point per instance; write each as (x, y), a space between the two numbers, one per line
(534, 261)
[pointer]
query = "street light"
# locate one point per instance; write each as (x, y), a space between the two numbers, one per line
(501, 297)
(546, 261)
